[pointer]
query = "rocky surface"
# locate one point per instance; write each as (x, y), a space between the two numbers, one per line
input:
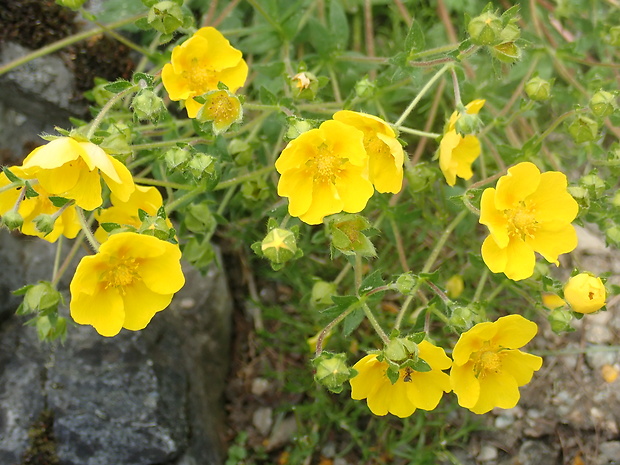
(140, 398)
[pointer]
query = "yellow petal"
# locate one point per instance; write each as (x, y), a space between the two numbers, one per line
(522, 180)
(54, 154)
(425, 390)
(495, 257)
(464, 154)
(465, 385)
(346, 141)
(141, 304)
(496, 390)
(447, 165)
(95, 157)
(62, 179)
(397, 398)
(87, 275)
(474, 107)
(193, 107)
(370, 375)
(178, 88)
(298, 186)
(552, 201)
(551, 244)
(219, 51)
(386, 172)
(521, 365)
(472, 341)
(521, 260)
(163, 274)
(353, 189)
(87, 190)
(493, 219)
(124, 187)
(433, 355)
(234, 77)
(104, 311)
(325, 201)
(514, 331)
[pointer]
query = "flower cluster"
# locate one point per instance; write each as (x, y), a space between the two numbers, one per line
(199, 66)
(132, 276)
(337, 166)
(487, 371)
(528, 211)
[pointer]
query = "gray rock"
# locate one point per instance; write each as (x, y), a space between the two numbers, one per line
(609, 453)
(537, 453)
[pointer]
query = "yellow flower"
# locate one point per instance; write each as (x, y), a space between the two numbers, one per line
(412, 390)
(325, 171)
(221, 107)
(67, 168)
(585, 293)
(552, 301)
(67, 224)
(527, 212)
(199, 64)
(457, 152)
(385, 154)
(131, 278)
(488, 369)
(145, 198)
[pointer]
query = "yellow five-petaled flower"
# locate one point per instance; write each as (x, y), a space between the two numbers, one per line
(130, 278)
(412, 390)
(527, 212)
(488, 368)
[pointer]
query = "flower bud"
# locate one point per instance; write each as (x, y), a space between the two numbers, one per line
(485, 29)
(560, 319)
(405, 283)
(175, 157)
(279, 245)
(467, 123)
(365, 88)
(507, 52)
(400, 350)
(44, 223)
(595, 185)
(614, 36)
(165, 17)
(346, 232)
(462, 317)
(612, 235)
(420, 177)
(585, 293)
(296, 127)
(305, 85)
(603, 103)
(73, 4)
(455, 286)
(147, 105)
(203, 166)
(538, 89)
(510, 33)
(583, 129)
(332, 371)
(38, 297)
(12, 220)
(322, 293)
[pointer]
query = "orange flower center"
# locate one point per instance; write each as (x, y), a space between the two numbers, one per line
(122, 272)
(326, 165)
(521, 221)
(487, 360)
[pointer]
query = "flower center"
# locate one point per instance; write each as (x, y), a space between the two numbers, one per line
(487, 361)
(121, 273)
(221, 108)
(201, 78)
(326, 165)
(521, 221)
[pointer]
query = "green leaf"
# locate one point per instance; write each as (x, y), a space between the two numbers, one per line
(118, 86)
(338, 25)
(30, 192)
(417, 337)
(344, 301)
(58, 202)
(9, 174)
(371, 282)
(137, 77)
(421, 366)
(352, 321)
(142, 215)
(266, 97)
(414, 42)
(109, 227)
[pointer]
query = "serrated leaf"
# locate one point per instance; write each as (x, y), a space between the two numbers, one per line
(344, 301)
(371, 282)
(421, 366)
(118, 86)
(58, 202)
(30, 192)
(267, 97)
(338, 24)
(137, 77)
(414, 41)
(352, 321)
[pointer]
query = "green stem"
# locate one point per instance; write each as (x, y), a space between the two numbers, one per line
(229, 193)
(67, 261)
(375, 324)
(430, 261)
(557, 122)
(421, 94)
(165, 143)
(328, 328)
(243, 178)
(51, 48)
(416, 132)
(264, 14)
(97, 121)
(480, 287)
(57, 258)
(184, 198)
(86, 229)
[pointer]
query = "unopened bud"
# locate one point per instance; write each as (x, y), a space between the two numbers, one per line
(332, 371)
(175, 157)
(44, 223)
(405, 283)
(305, 85)
(538, 89)
(585, 293)
(560, 319)
(583, 129)
(485, 29)
(322, 293)
(467, 123)
(400, 350)
(510, 33)
(594, 184)
(420, 177)
(365, 88)
(507, 52)
(279, 245)
(165, 17)
(202, 166)
(12, 220)
(603, 103)
(147, 105)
